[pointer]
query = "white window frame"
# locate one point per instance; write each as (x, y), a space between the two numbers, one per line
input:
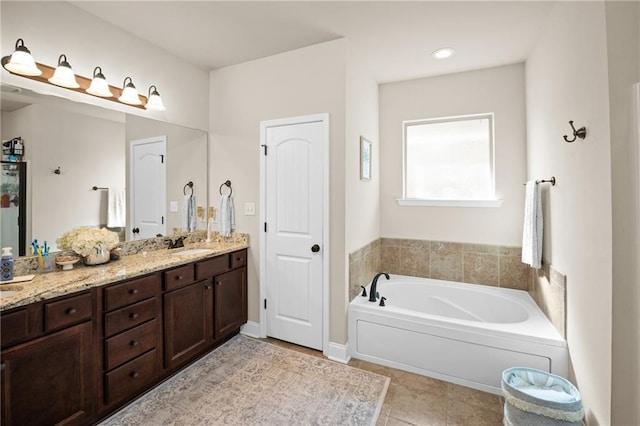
(491, 202)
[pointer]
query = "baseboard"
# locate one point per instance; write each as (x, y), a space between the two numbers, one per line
(251, 329)
(339, 353)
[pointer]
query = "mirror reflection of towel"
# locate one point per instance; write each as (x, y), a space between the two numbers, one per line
(189, 213)
(116, 212)
(227, 219)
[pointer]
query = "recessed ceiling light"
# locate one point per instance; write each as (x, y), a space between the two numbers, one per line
(444, 53)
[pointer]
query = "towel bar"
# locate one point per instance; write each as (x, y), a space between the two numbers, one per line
(552, 181)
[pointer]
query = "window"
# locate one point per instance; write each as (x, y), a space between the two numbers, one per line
(449, 158)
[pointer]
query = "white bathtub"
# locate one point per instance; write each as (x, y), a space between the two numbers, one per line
(462, 333)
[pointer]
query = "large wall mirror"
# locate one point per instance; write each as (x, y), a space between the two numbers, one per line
(70, 148)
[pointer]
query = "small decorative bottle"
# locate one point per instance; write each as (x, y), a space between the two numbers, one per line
(6, 264)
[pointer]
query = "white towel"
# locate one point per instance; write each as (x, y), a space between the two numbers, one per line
(189, 213)
(532, 230)
(227, 221)
(116, 211)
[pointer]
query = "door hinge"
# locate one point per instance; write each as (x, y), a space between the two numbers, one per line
(265, 148)
(265, 303)
(265, 227)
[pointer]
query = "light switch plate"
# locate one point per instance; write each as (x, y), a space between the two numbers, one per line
(173, 206)
(249, 209)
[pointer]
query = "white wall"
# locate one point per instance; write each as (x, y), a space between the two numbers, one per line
(52, 28)
(301, 82)
(623, 46)
(566, 79)
(498, 90)
(362, 196)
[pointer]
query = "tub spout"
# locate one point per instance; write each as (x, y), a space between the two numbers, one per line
(373, 293)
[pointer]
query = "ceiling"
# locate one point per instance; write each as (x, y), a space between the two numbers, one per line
(394, 39)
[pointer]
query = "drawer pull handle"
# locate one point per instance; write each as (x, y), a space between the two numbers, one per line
(133, 291)
(134, 343)
(179, 277)
(219, 282)
(133, 315)
(133, 374)
(207, 287)
(71, 311)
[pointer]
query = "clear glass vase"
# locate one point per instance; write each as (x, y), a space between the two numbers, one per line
(99, 257)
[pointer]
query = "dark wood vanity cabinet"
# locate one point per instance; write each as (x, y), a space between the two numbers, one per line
(132, 338)
(188, 322)
(204, 305)
(48, 379)
(76, 359)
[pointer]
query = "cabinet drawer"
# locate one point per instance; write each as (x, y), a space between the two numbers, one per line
(130, 316)
(128, 345)
(132, 291)
(179, 277)
(14, 327)
(67, 311)
(128, 380)
(212, 267)
(238, 259)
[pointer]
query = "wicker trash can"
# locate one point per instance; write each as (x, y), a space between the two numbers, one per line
(535, 397)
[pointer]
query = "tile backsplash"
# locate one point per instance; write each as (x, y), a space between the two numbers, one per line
(548, 287)
(462, 262)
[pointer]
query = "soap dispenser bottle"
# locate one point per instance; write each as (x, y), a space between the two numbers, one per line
(6, 265)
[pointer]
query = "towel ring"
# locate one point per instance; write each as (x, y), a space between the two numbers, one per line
(228, 185)
(184, 189)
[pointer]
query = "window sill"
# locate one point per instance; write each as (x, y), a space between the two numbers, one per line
(414, 202)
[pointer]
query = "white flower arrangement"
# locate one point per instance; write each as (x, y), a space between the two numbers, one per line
(85, 240)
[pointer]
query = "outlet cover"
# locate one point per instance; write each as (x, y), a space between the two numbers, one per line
(249, 209)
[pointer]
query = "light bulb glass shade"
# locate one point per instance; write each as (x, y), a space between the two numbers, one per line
(154, 103)
(129, 93)
(63, 75)
(99, 85)
(21, 62)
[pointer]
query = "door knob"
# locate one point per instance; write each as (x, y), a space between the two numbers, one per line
(315, 248)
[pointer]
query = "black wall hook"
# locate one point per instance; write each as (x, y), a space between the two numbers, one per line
(580, 133)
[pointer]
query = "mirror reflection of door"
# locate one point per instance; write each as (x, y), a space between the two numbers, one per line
(148, 181)
(13, 207)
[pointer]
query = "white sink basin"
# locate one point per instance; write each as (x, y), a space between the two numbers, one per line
(193, 251)
(9, 290)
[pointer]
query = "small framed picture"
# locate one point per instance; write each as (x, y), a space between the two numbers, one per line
(365, 159)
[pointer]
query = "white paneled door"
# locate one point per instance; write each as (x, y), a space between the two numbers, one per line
(148, 184)
(294, 231)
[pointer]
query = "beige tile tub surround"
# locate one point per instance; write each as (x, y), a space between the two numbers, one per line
(548, 287)
(498, 266)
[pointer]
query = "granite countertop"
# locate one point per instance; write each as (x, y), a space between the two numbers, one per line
(49, 285)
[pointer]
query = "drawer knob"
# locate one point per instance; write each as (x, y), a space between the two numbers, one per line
(133, 315)
(133, 291)
(71, 311)
(133, 374)
(207, 287)
(134, 343)
(179, 277)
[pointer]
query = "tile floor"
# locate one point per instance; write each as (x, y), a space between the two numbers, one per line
(417, 400)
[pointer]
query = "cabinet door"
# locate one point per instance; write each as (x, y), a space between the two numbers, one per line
(48, 380)
(231, 301)
(188, 322)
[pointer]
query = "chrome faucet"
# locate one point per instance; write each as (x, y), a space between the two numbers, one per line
(373, 293)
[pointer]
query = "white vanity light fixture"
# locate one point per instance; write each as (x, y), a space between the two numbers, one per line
(155, 101)
(99, 85)
(444, 53)
(63, 75)
(130, 94)
(21, 62)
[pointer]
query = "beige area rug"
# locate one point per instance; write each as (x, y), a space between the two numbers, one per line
(249, 382)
